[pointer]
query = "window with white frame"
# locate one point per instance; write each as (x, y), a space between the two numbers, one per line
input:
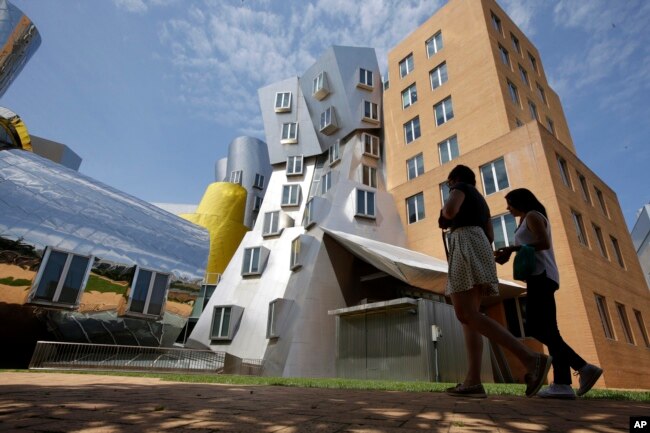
(438, 75)
(334, 153)
(294, 165)
(642, 328)
(148, 292)
(291, 195)
(496, 23)
(365, 203)
(365, 78)
(259, 181)
(369, 176)
(515, 43)
(271, 223)
(235, 176)
(415, 208)
(580, 227)
(409, 96)
(601, 241)
(603, 312)
(257, 203)
(412, 130)
(584, 188)
(495, 176)
(326, 182)
(294, 262)
(253, 261)
(505, 57)
(533, 62)
(61, 277)
(434, 44)
(625, 323)
(541, 93)
(370, 112)
(514, 93)
(504, 227)
(564, 171)
(289, 133)
(220, 329)
(415, 166)
(370, 145)
(406, 66)
(444, 111)
(448, 149)
(271, 321)
(524, 76)
(282, 102)
(320, 87)
(308, 216)
(601, 201)
(444, 192)
(550, 125)
(328, 123)
(617, 251)
(533, 110)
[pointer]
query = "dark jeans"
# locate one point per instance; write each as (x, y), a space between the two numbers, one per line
(541, 323)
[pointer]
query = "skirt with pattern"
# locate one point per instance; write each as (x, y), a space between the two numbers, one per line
(471, 262)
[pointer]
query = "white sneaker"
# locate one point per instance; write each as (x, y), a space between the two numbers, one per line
(555, 390)
(589, 375)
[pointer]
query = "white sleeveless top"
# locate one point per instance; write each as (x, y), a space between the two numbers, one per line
(544, 260)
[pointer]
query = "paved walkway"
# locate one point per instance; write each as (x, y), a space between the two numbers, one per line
(52, 402)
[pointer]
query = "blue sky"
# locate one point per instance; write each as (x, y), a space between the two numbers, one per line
(151, 92)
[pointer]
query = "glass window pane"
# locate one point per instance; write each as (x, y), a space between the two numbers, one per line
(499, 238)
(139, 293)
(444, 152)
(158, 294)
(225, 326)
(73, 280)
(488, 179)
(51, 275)
(371, 204)
(511, 227)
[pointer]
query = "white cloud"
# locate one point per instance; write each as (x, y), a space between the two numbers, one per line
(131, 5)
(523, 12)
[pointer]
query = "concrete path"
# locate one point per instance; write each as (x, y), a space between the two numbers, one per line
(52, 402)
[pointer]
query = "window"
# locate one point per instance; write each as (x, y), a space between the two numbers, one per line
(448, 149)
(406, 66)
(294, 262)
(271, 223)
(326, 182)
(438, 76)
(444, 192)
(221, 323)
(415, 208)
(308, 217)
(533, 110)
(328, 123)
(412, 130)
(259, 181)
(617, 251)
(533, 62)
(365, 79)
(257, 203)
(625, 323)
(62, 277)
(444, 111)
(495, 177)
(290, 195)
(409, 96)
(320, 87)
(601, 303)
(365, 203)
(515, 43)
(584, 188)
(601, 242)
(282, 102)
(235, 176)
(370, 145)
(370, 112)
(271, 328)
(294, 165)
(541, 93)
(524, 76)
(148, 293)
(580, 228)
(514, 94)
(289, 133)
(334, 153)
(504, 227)
(369, 176)
(434, 44)
(564, 171)
(641, 323)
(505, 57)
(601, 201)
(496, 23)
(415, 166)
(550, 125)
(254, 260)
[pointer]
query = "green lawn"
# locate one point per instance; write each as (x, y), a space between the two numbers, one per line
(9, 281)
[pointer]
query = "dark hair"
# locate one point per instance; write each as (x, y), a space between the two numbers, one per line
(524, 200)
(462, 173)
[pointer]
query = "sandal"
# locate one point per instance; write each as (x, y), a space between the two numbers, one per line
(535, 379)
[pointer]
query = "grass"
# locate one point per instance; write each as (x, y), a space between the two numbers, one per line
(9, 281)
(506, 389)
(102, 285)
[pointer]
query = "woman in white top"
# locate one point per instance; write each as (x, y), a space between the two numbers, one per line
(541, 322)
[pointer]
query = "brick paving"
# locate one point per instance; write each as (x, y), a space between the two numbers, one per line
(53, 402)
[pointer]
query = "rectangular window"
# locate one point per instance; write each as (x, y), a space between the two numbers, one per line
(642, 329)
(533, 110)
(524, 76)
(365, 79)
(533, 62)
(406, 66)
(220, 329)
(252, 261)
(235, 176)
(409, 96)
(601, 242)
(448, 149)
(415, 166)
(370, 145)
(289, 133)
(550, 125)
(438, 76)
(257, 203)
(294, 165)
(601, 201)
(495, 177)
(444, 192)
(294, 262)
(271, 321)
(433, 44)
(290, 195)
(415, 208)
(271, 223)
(370, 112)
(496, 23)
(369, 176)
(514, 94)
(365, 203)
(412, 130)
(148, 292)
(444, 111)
(617, 251)
(259, 181)
(334, 153)
(564, 171)
(580, 228)
(308, 217)
(584, 189)
(62, 277)
(515, 43)
(326, 182)
(505, 57)
(601, 303)
(328, 123)
(625, 323)
(504, 227)
(320, 86)
(282, 102)
(541, 93)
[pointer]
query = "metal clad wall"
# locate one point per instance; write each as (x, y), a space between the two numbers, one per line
(406, 352)
(351, 359)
